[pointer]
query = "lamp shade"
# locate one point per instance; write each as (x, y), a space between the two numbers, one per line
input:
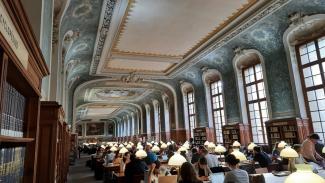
(323, 150)
(211, 145)
(288, 152)
(176, 160)
(168, 143)
(123, 150)
(220, 149)
(113, 149)
(182, 149)
(206, 143)
(155, 149)
(141, 154)
(121, 145)
(148, 144)
(236, 144)
(186, 145)
(139, 146)
(129, 146)
(303, 177)
(282, 144)
(125, 144)
(163, 146)
(239, 155)
(251, 146)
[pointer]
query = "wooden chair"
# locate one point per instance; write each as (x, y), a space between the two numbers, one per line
(167, 179)
(261, 170)
(256, 178)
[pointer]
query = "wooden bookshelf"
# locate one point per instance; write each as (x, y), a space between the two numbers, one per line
(5, 139)
(290, 130)
(203, 134)
(53, 143)
(22, 68)
(236, 132)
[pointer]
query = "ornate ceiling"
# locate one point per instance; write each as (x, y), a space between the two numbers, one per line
(112, 49)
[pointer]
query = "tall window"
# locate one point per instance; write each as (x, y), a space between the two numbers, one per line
(217, 109)
(191, 111)
(256, 101)
(312, 65)
(159, 122)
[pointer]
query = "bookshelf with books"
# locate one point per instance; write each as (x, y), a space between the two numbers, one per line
(290, 130)
(22, 68)
(52, 152)
(236, 132)
(203, 134)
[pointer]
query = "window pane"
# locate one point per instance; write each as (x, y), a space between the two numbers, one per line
(313, 106)
(311, 46)
(320, 94)
(322, 52)
(321, 42)
(304, 59)
(311, 95)
(307, 72)
(309, 82)
(317, 80)
(312, 56)
(315, 116)
(303, 49)
(321, 104)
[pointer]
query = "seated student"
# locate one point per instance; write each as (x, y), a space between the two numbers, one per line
(300, 159)
(261, 157)
(188, 174)
(135, 167)
(125, 160)
(235, 175)
(202, 169)
(195, 156)
(276, 152)
(308, 149)
(211, 158)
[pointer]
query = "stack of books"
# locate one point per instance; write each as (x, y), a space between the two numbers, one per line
(12, 118)
(12, 164)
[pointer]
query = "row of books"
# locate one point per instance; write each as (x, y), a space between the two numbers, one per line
(12, 118)
(12, 164)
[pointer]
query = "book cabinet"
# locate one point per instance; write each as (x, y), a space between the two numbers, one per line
(54, 144)
(236, 132)
(203, 134)
(22, 68)
(290, 130)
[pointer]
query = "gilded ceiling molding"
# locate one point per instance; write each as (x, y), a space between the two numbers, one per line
(131, 78)
(276, 5)
(102, 35)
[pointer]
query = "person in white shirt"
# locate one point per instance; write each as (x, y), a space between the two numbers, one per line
(211, 158)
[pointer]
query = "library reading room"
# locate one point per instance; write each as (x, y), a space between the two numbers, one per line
(162, 91)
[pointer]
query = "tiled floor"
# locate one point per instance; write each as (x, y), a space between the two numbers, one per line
(79, 173)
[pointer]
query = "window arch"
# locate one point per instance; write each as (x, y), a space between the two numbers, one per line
(307, 66)
(189, 106)
(215, 101)
(157, 119)
(252, 88)
(148, 120)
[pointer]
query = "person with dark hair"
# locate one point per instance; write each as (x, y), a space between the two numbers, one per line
(202, 169)
(276, 152)
(195, 156)
(126, 159)
(308, 149)
(261, 157)
(134, 167)
(235, 175)
(188, 174)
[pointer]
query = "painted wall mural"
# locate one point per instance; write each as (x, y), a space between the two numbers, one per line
(95, 129)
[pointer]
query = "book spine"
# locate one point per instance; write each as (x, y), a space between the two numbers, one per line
(12, 164)
(12, 117)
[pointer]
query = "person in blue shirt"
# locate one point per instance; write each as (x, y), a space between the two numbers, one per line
(151, 156)
(261, 157)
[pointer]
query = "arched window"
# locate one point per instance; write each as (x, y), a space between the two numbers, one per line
(307, 67)
(217, 108)
(252, 92)
(189, 107)
(191, 110)
(157, 119)
(215, 101)
(256, 101)
(148, 119)
(311, 56)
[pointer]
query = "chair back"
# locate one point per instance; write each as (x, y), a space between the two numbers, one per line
(256, 178)
(167, 179)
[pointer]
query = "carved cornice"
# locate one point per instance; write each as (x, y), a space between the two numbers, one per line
(131, 78)
(271, 8)
(102, 35)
